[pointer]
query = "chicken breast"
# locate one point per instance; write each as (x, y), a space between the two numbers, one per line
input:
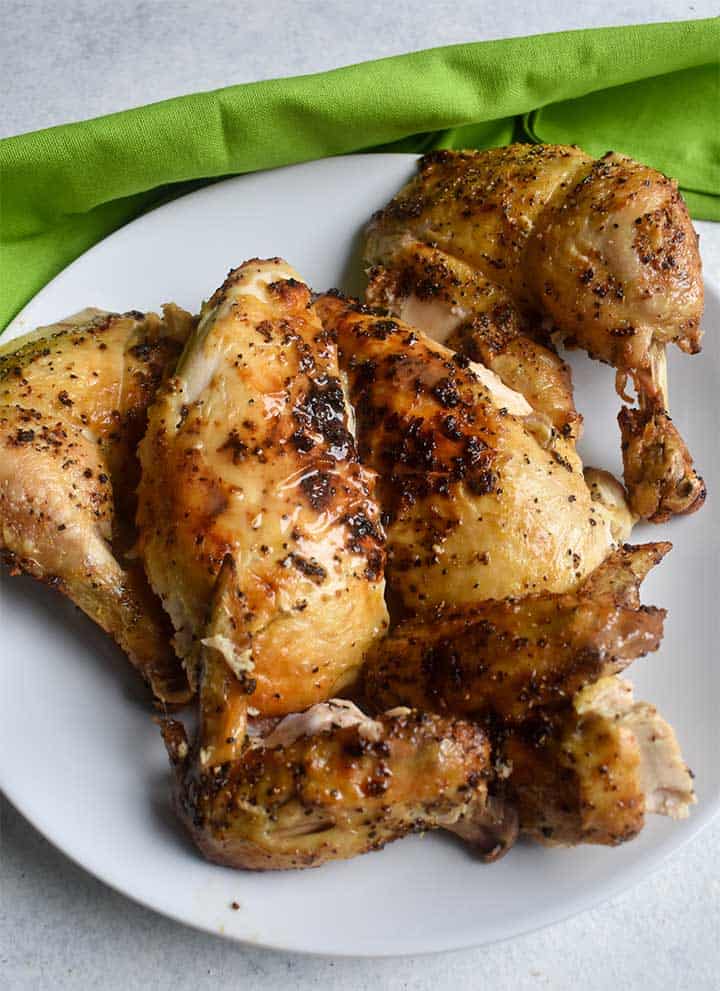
(480, 504)
(249, 456)
(73, 403)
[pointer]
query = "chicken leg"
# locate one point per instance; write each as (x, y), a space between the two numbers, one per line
(602, 252)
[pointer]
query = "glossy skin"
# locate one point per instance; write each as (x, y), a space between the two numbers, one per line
(334, 794)
(249, 455)
(504, 660)
(602, 250)
(73, 403)
(592, 773)
(455, 304)
(478, 508)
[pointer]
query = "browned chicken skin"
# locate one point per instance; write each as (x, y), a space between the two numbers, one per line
(602, 250)
(456, 305)
(577, 759)
(591, 773)
(333, 792)
(249, 455)
(73, 402)
(479, 504)
(506, 659)
(324, 784)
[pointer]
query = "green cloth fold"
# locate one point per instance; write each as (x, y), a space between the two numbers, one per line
(651, 91)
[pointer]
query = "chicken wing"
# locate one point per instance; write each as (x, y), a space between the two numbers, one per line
(593, 773)
(603, 251)
(331, 784)
(504, 660)
(249, 456)
(73, 402)
(479, 505)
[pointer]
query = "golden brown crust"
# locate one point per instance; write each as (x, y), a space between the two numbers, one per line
(592, 773)
(457, 305)
(603, 252)
(332, 795)
(477, 506)
(506, 660)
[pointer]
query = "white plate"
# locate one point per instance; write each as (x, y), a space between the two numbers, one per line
(81, 757)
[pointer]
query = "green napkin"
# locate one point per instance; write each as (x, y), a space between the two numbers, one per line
(650, 91)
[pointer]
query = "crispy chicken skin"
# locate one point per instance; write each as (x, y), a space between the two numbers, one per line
(592, 773)
(249, 455)
(73, 402)
(455, 304)
(506, 659)
(323, 784)
(339, 791)
(603, 251)
(479, 505)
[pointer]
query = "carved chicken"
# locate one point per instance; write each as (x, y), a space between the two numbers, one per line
(492, 249)
(481, 501)
(574, 755)
(591, 773)
(249, 457)
(324, 784)
(73, 402)
(305, 459)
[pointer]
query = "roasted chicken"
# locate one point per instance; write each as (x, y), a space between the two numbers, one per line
(495, 249)
(329, 783)
(481, 501)
(73, 402)
(322, 784)
(291, 454)
(592, 773)
(505, 659)
(249, 458)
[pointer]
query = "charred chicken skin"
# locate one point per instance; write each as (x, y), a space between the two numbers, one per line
(73, 404)
(249, 456)
(574, 755)
(505, 659)
(342, 787)
(480, 503)
(487, 247)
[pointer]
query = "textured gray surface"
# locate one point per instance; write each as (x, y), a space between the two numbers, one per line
(59, 928)
(81, 58)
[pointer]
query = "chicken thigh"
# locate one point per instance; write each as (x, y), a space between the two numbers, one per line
(73, 402)
(491, 246)
(249, 464)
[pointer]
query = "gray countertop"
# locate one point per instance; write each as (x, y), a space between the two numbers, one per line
(60, 928)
